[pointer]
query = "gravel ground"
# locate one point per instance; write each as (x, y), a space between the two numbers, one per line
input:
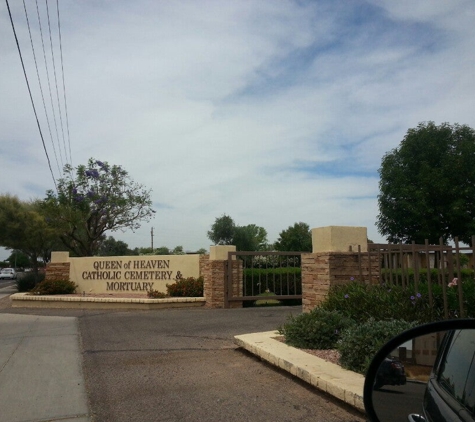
(330, 355)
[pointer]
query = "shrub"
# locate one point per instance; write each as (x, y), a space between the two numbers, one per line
(360, 342)
(186, 287)
(54, 287)
(361, 302)
(409, 277)
(155, 294)
(26, 282)
(318, 329)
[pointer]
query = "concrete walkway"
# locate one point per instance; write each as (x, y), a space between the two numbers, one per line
(41, 376)
(328, 377)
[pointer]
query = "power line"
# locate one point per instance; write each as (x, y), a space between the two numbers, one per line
(49, 83)
(56, 81)
(64, 85)
(41, 87)
(29, 91)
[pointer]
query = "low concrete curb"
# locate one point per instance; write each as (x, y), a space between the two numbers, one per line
(343, 384)
(25, 300)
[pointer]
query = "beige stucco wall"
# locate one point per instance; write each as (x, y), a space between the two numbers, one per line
(133, 274)
(220, 252)
(339, 239)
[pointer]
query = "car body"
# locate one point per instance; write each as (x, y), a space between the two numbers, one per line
(391, 372)
(450, 392)
(8, 273)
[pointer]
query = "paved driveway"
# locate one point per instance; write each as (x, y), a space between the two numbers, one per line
(182, 365)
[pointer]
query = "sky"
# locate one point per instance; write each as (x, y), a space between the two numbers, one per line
(272, 112)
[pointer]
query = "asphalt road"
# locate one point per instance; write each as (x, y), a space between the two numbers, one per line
(393, 403)
(182, 365)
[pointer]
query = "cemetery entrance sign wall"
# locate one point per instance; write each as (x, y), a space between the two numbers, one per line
(128, 274)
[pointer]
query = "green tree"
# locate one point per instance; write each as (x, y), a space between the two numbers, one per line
(427, 185)
(249, 238)
(222, 230)
(23, 228)
(18, 259)
(92, 200)
(296, 238)
(163, 250)
(113, 247)
(178, 250)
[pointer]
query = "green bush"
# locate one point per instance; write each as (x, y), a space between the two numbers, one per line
(186, 287)
(468, 292)
(409, 277)
(54, 287)
(155, 294)
(26, 282)
(318, 329)
(360, 342)
(361, 302)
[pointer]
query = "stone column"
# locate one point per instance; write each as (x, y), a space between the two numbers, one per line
(214, 271)
(333, 263)
(58, 268)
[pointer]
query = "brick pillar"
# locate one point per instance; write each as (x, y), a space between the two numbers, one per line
(214, 271)
(237, 283)
(331, 264)
(323, 270)
(58, 268)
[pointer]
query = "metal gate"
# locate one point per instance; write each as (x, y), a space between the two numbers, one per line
(437, 266)
(256, 276)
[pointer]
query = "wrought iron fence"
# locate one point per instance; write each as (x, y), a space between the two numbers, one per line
(264, 275)
(444, 272)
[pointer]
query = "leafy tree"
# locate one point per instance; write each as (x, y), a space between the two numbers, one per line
(178, 250)
(246, 238)
(202, 251)
(163, 250)
(295, 238)
(427, 185)
(113, 247)
(222, 230)
(92, 200)
(249, 238)
(23, 228)
(19, 259)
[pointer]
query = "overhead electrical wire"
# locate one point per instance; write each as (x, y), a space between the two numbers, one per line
(41, 86)
(29, 91)
(56, 82)
(64, 85)
(49, 83)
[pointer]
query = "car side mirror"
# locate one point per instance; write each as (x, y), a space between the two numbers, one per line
(420, 373)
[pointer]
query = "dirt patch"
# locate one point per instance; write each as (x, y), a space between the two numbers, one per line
(330, 355)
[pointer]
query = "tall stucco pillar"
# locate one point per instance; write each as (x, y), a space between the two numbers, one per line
(333, 262)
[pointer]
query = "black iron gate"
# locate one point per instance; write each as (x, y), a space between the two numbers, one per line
(263, 276)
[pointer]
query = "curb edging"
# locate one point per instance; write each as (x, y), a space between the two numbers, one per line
(342, 384)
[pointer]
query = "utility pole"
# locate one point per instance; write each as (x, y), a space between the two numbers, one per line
(151, 235)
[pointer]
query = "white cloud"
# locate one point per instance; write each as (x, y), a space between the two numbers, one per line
(219, 106)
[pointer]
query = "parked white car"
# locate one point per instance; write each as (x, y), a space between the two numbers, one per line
(9, 273)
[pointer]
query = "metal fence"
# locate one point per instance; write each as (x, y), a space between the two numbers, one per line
(410, 265)
(264, 276)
